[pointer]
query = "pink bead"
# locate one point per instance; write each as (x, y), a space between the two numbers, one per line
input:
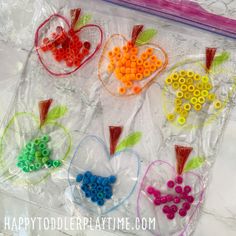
(187, 189)
(176, 200)
(150, 190)
(179, 179)
(164, 199)
(166, 209)
(184, 196)
(170, 216)
(174, 208)
(190, 199)
(182, 212)
(157, 201)
(169, 198)
(170, 184)
(157, 193)
(186, 206)
(178, 189)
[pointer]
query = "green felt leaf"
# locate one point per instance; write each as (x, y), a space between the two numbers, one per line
(84, 20)
(145, 36)
(56, 112)
(194, 163)
(129, 141)
(224, 56)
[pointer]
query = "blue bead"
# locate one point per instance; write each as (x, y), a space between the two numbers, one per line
(93, 179)
(87, 194)
(112, 179)
(107, 189)
(108, 195)
(94, 199)
(100, 202)
(84, 187)
(88, 174)
(105, 181)
(94, 186)
(79, 178)
(99, 180)
(100, 195)
(86, 180)
(100, 188)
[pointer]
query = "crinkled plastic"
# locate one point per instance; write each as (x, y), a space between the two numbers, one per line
(80, 134)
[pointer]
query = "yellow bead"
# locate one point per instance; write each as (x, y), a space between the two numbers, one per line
(184, 113)
(170, 117)
(217, 104)
(178, 109)
(208, 86)
(187, 95)
(196, 93)
(211, 97)
(201, 100)
(197, 107)
(191, 88)
(183, 73)
(182, 80)
(168, 81)
(181, 120)
(175, 76)
(189, 81)
(199, 86)
(197, 77)
(190, 73)
(175, 85)
(187, 106)
(204, 93)
(205, 79)
(193, 100)
(183, 87)
(178, 101)
(179, 94)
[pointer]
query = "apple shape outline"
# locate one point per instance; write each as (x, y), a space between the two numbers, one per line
(67, 24)
(109, 81)
(109, 158)
(15, 175)
(142, 193)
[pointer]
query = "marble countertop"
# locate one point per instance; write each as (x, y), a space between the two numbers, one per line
(219, 211)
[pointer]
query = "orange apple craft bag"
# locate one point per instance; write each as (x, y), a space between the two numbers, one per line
(64, 46)
(127, 67)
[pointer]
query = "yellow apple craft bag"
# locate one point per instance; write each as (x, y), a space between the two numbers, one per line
(119, 110)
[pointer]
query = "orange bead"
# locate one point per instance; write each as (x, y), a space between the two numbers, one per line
(128, 63)
(119, 76)
(146, 72)
(133, 64)
(129, 44)
(113, 62)
(137, 89)
(139, 62)
(133, 58)
(132, 76)
(116, 50)
(127, 76)
(140, 69)
(110, 54)
(128, 84)
(122, 69)
(125, 48)
(127, 56)
(153, 58)
(158, 63)
(110, 68)
(146, 64)
(127, 70)
(123, 60)
(153, 68)
(134, 51)
(139, 76)
(118, 56)
(149, 51)
(122, 90)
(144, 56)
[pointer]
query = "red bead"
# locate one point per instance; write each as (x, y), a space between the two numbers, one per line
(157, 193)
(59, 29)
(174, 208)
(187, 189)
(87, 45)
(85, 52)
(45, 40)
(182, 212)
(150, 190)
(179, 180)
(69, 63)
(176, 200)
(164, 199)
(170, 184)
(186, 206)
(190, 199)
(71, 32)
(178, 189)
(170, 216)
(157, 201)
(166, 209)
(169, 198)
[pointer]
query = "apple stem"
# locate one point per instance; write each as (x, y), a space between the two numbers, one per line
(182, 154)
(210, 54)
(74, 14)
(115, 132)
(137, 29)
(43, 110)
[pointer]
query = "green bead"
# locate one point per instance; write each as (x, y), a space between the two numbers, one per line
(42, 146)
(56, 163)
(20, 158)
(45, 138)
(45, 159)
(20, 164)
(32, 167)
(28, 146)
(26, 152)
(31, 158)
(45, 152)
(37, 141)
(25, 169)
(49, 163)
(37, 154)
(38, 166)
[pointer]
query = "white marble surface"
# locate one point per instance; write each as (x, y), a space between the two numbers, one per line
(219, 212)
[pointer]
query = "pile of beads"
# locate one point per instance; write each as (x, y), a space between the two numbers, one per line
(36, 155)
(177, 194)
(192, 92)
(97, 188)
(66, 46)
(130, 66)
